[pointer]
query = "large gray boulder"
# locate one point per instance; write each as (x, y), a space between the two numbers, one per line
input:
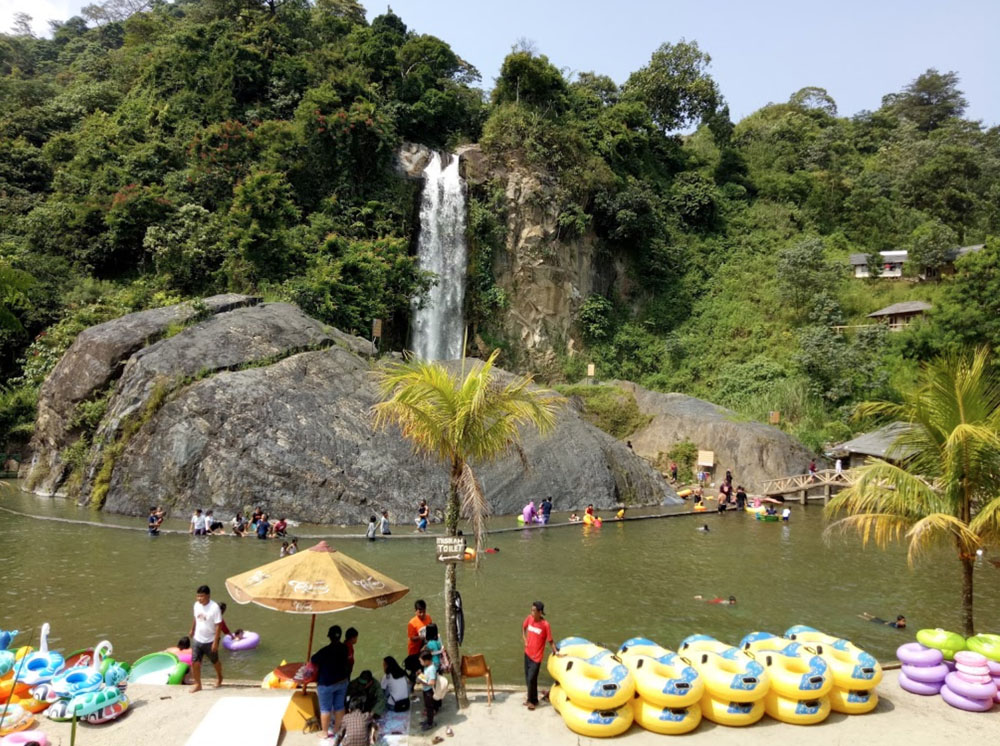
(93, 361)
(231, 412)
(754, 451)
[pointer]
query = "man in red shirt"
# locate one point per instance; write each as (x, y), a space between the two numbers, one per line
(414, 640)
(536, 632)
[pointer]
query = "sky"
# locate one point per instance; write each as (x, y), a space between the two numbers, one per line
(761, 51)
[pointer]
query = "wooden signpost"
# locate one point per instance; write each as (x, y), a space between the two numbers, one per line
(451, 548)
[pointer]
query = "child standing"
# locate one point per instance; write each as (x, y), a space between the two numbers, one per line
(427, 678)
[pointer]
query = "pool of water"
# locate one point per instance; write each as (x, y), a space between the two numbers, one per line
(607, 584)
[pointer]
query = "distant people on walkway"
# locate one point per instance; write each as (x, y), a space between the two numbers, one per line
(423, 514)
(384, 524)
(741, 497)
(729, 478)
(257, 514)
(331, 680)
(620, 515)
(673, 471)
(198, 525)
(546, 507)
(786, 513)
(838, 467)
(698, 495)
(205, 633)
(370, 531)
(529, 513)
(154, 521)
(214, 526)
(900, 622)
(590, 511)
(574, 518)
(239, 524)
(415, 637)
(263, 527)
(812, 470)
(536, 632)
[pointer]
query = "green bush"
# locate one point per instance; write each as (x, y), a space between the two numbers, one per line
(684, 453)
(608, 408)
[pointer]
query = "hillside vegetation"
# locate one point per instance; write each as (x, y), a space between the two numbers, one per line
(209, 145)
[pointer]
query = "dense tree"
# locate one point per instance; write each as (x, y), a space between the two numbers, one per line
(968, 311)
(929, 101)
(676, 86)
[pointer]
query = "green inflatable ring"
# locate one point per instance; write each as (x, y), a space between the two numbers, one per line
(984, 644)
(947, 642)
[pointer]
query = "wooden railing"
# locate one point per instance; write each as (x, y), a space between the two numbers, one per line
(802, 483)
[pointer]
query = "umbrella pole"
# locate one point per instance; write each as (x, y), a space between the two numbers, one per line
(312, 627)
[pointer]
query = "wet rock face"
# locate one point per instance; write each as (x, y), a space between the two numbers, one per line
(93, 361)
(230, 412)
(755, 452)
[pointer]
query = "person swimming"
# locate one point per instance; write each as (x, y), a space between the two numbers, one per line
(703, 528)
(900, 622)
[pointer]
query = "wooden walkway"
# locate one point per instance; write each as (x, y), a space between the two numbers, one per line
(827, 480)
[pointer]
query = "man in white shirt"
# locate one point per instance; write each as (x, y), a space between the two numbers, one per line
(205, 633)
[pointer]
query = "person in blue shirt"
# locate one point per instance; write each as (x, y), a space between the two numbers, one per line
(546, 507)
(263, 527)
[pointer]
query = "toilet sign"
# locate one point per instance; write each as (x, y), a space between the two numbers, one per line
(451, 548)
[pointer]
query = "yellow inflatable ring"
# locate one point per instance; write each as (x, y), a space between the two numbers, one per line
(797, 711)
(594, 723)
(853, 701)
(670, 721)
(599, 682)
(795, 676)
(731, 678)
(662, 677)
(728, 712)
(852, 667)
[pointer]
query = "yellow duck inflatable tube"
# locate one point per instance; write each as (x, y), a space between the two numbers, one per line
(662, 677)
(591, 676)
(593, 723)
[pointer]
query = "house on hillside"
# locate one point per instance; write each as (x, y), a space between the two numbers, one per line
(899, 315)
(877, 444)
(891, 263)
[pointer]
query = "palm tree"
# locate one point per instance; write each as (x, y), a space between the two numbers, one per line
(942, 483)
(461, 420)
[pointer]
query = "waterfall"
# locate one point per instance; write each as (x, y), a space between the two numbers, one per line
(437, 327)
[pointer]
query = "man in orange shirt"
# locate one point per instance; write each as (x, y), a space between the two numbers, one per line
(415, 640)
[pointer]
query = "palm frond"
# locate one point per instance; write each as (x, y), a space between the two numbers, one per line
(932, 529)
(475, 506)
(879, 529)
(986, 523)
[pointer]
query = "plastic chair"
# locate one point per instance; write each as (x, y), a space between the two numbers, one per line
(474, 666)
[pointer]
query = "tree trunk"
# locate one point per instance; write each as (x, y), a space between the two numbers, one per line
(450, 620)
(967, 568)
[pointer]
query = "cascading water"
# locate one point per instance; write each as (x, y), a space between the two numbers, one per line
(437, 327)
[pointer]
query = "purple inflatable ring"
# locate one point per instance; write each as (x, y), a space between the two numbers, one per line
(968, 689)
(964, 703)
(915, 654)
(918, 687)
(926, 674)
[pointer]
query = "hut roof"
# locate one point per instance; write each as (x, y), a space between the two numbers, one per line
(876, 443)
(910, 306)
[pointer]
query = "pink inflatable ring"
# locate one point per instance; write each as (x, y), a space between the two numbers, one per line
(915, 654)
(969, 689)
(249, 641)
(968, 658)
(918, 687)
(964, 703)
(926, 674)
(25, 736)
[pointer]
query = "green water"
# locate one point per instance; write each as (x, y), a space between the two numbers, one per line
(608, 584)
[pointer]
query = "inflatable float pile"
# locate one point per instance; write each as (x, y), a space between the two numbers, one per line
(735, 683)
(668, 688)
(966, 673)
(855, 673)
(92, 691)
(593, 690)
(801, 680)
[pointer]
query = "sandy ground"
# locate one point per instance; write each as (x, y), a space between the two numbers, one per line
(166, 716)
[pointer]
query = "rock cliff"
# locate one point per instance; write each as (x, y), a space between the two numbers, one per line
(264, 405)
(755, 452)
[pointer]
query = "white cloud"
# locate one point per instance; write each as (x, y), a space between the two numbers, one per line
(41, 12)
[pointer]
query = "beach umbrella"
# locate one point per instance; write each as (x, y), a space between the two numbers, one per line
(317, 580)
